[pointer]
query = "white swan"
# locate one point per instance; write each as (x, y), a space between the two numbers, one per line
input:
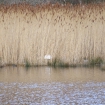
(48, 57)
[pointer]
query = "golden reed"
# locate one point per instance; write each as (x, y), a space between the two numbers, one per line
(66, 32)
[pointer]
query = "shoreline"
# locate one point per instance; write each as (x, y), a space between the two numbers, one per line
(102, 66)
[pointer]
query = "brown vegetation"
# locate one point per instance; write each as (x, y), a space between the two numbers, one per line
(69, 33)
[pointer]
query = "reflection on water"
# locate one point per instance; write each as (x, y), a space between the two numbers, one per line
(49, 86)
(47, 74)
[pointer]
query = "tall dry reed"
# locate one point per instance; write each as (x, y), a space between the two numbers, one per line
(70, 33)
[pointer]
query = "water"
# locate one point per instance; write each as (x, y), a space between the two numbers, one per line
(49, 86)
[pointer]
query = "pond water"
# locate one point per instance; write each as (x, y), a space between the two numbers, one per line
(52, 86)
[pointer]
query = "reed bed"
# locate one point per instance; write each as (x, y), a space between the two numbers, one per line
(66, 32)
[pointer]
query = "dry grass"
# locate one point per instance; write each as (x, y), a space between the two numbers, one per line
(68, 32)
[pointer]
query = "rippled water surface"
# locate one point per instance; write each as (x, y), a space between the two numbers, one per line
(49, 86)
